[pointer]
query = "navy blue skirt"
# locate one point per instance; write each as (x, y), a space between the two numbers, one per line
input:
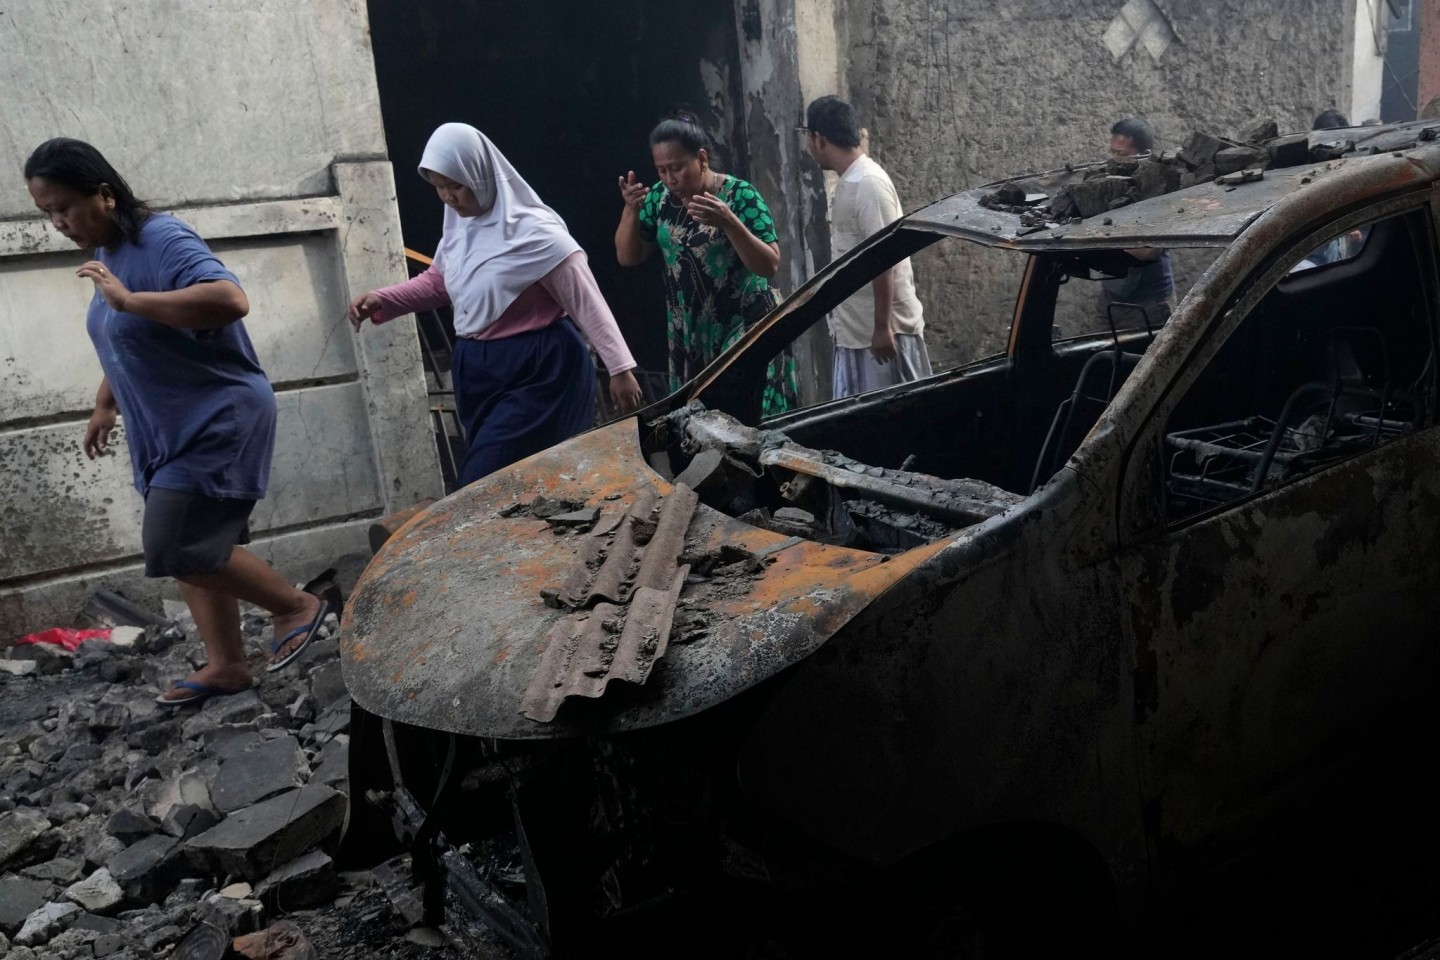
(519, 395)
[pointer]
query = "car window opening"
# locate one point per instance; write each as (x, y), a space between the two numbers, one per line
(915, 463)
(1330, 362)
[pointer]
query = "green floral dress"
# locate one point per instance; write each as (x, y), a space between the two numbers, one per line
(711, 297)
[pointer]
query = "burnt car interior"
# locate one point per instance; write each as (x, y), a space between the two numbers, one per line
(1332, 361)
(903, 466)
(1336, 358)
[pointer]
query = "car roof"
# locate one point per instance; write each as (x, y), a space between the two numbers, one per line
(1212, 213)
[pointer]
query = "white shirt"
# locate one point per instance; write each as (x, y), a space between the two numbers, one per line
(864, 202)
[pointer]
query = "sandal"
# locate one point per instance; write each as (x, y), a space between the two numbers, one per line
(323, 587)
(199, 692)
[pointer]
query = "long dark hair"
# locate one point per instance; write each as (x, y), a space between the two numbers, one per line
(682, 126)
(76, 164)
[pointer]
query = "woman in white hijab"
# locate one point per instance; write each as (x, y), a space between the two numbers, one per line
(522, 375)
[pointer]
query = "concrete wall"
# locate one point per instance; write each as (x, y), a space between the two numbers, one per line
(1368, 83)
(1426, 15)
(961, 92)
(259, 126)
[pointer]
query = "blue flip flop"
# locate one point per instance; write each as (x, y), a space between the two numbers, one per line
(329, 596)
(200, 691)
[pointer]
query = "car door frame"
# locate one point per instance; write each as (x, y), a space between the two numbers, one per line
(1144, 534)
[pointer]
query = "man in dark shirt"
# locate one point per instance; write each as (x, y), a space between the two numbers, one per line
(1153, 285)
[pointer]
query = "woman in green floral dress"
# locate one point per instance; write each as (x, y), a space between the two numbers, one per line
(718, 250)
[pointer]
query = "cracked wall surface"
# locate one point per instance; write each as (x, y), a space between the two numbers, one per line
(259, 125)
(957, 93)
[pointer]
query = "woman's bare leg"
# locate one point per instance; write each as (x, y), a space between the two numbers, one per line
(253, 580)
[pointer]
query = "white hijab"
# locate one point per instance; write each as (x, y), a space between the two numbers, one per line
(489, 260)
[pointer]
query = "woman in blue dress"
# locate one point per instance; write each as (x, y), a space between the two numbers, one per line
(199, 412)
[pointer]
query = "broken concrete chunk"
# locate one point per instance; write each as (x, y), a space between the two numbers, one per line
(49, 747)
(60, 870)
(99, 852)
(1006, 197)
(1092, 197)
(1242, 176)
(19, 829)
(19, 898)
(108, 717)
(19, 668)
(326, 684)
(1291, 151)
(306, 881)
(249, 841)
(129, 825)
(62, 813)
(224, 743)
(1200, 149)
(189, 820)
(45, 922)
(126, 637)
(98, 924)
(333, 764)
(238, 708)
(107, 944)
(49, 659)
(236, 917)
(1232, 159)
(1062, 204)
(1153, 178)
(147, 869)
(1260, 130)
(97, 893)
(574, 519)
(261, 771)
(186, 788)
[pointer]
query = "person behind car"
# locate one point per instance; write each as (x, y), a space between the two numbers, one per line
(1330, 120)
(522, 374)
(879, 333)
(199, 411)
(718, 254)
(1151, 286)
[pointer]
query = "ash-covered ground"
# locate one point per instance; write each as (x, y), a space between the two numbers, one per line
(131, 830)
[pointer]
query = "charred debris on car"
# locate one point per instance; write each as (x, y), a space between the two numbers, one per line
(1081, 192)
(622, 593)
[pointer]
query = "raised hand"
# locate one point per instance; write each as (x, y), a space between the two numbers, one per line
(632, 191)
(710, 210)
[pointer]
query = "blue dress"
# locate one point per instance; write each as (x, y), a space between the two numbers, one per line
(198, 411)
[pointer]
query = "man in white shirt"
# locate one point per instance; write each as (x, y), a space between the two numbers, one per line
(878, 332)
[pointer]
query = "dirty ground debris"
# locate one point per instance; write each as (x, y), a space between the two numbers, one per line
(130, 831)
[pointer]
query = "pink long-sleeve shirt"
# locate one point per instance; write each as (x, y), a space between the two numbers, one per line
(570, 289)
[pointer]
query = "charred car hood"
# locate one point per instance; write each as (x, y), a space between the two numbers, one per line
(455, 625)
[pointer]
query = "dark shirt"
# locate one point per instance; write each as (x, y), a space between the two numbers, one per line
(1152, 283)
(198, 411)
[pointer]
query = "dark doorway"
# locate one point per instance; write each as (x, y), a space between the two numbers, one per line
(569, 92)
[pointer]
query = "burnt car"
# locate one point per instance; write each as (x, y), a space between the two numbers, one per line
(1055, 630)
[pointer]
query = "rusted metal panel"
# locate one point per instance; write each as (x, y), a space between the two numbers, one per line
(615, 552)
(586, 651)
(447, 626)
(620, 640)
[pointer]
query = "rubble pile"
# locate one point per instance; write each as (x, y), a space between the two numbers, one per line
(133, 830)
(1115, 183)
